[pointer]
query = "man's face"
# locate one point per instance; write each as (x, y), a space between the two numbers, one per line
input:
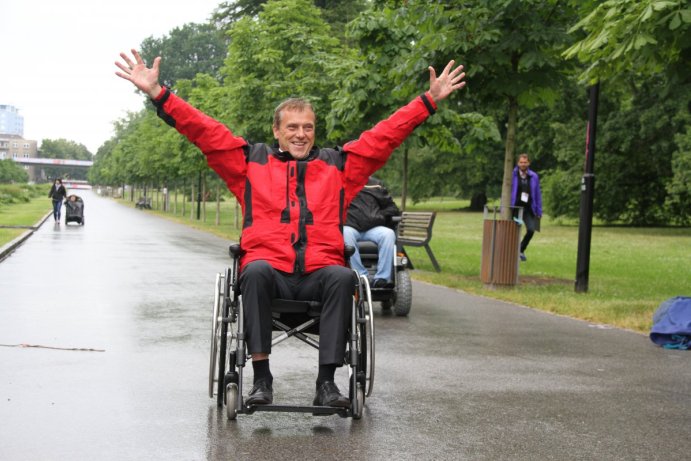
(523, 164)
(296, 132)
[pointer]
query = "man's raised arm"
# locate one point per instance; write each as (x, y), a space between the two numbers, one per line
(144, 78)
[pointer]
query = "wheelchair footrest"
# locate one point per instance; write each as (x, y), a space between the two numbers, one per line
(315, 410)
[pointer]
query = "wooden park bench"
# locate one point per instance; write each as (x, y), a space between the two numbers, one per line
(415, 230)
(143, 203)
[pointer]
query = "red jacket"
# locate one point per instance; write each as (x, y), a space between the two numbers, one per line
(293, 210)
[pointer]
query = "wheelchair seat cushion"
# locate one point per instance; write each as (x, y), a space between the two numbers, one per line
(289, 306)
(367, 248)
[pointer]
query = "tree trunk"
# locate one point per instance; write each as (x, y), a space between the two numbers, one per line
(404, 191)
(237, 214)
(192, 204)
(218, 205)
(184, 201)
(509, 156)
(204, 198)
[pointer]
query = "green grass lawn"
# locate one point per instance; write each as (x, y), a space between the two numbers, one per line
(632, 270)
(22, 214)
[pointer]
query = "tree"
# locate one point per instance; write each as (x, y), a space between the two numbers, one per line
(227, 13)
(64, 149)
(368, 91)
(99, 173)
(336, 12)
(12, 172)
(512, 49)
(646, 37)
(641, 52)
(112, 163)
(285, 51)
(678, 202)
(634, 161)
(379, 75)
(187, 51)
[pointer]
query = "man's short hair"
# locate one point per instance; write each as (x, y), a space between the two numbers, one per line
(298, 104)
(525, 156)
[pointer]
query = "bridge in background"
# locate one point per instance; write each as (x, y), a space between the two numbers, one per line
(36, 166)
(53, 162)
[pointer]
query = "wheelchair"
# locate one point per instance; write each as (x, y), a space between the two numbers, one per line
(400, 296)
(298, 319)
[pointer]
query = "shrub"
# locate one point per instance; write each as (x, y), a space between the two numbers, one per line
(12, 172)
(19, 193)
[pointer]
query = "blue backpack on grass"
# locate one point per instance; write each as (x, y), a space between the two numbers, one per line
(672, 324)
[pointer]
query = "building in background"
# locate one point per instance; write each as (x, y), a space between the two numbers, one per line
(11, 122)
(15, 147)
(12, 143)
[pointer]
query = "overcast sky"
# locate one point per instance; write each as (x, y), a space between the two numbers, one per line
(57, 60)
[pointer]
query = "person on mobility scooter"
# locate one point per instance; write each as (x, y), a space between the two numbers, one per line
(371, 230)
(294, 198)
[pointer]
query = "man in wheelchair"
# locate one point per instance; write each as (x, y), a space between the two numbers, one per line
(294, 198)
(370, 219)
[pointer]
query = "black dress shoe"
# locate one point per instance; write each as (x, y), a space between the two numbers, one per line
(262, 393)
(328, 395)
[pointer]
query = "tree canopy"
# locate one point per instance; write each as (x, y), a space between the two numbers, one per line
(528, 62)
(64, 149)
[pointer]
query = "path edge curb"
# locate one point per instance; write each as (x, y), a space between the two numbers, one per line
(7, 249)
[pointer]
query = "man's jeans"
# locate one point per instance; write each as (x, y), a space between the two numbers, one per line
(385, 239)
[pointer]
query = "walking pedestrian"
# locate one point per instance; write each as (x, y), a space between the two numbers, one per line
(526, 193)
(58, 194)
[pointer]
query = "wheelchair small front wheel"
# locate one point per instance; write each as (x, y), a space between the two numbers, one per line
(231, 401)
(360, 402)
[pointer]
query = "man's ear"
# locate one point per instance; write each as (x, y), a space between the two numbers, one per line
(275, 130)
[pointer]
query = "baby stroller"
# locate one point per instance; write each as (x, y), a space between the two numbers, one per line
(74, 210)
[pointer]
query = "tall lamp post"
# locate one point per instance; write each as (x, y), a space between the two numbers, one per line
(585, 225)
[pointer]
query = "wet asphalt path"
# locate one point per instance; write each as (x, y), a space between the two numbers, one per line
(121, 311)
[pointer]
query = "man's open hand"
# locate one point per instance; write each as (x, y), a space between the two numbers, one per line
(448, 82)
(144, 78)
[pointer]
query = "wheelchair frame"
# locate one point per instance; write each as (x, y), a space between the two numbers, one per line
(229, 353)
(400, 297)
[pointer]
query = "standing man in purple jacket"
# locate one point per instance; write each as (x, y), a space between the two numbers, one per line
(525, 192)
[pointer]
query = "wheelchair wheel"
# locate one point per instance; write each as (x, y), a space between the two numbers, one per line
(231, 400)
(215, 333)
(404, 294)
(367, 338)
(223, 337)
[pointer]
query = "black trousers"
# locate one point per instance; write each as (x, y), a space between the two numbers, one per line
(333, 286)
(530, 221)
